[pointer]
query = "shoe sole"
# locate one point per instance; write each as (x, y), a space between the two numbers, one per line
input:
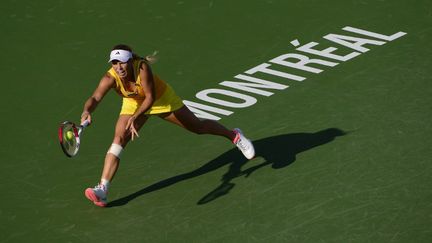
(89, 193)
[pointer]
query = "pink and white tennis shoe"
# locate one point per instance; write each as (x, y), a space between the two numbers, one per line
(98, 195)
(244, 144)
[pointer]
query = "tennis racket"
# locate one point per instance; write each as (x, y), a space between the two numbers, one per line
(69, 137)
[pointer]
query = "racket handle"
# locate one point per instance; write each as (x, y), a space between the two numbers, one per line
(85, 123)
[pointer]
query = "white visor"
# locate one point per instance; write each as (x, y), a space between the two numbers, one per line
(120, 55)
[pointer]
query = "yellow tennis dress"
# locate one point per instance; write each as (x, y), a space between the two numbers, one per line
(166, 99)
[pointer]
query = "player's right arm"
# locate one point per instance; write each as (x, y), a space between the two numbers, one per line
(106, 83)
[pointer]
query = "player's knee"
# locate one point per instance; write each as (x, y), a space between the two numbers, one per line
(121, 139)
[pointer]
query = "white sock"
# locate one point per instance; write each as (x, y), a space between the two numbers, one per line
(105, 183)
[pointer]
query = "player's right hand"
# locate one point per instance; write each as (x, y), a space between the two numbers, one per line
(86, 116)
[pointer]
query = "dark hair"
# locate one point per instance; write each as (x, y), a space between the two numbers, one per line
(149, 58)
(122, 47)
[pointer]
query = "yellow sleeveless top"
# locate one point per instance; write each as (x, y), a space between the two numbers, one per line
(159, 85)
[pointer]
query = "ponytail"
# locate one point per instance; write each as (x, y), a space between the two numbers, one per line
(152, 58)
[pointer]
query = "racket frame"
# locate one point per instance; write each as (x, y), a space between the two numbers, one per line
(77, 131)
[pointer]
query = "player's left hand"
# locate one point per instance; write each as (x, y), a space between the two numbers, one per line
(130, 125)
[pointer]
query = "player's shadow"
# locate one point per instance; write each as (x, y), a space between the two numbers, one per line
(278, 152)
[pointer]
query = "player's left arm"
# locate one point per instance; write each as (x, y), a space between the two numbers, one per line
(147, 84)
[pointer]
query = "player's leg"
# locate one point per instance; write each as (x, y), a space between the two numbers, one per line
(112, 159)
(186, 119)
(121, 139)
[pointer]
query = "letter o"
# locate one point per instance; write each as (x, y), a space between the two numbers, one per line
(247, 100)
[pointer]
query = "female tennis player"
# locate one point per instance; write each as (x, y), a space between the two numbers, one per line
(144, 95)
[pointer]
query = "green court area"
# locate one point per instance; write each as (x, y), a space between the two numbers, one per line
(342, 156)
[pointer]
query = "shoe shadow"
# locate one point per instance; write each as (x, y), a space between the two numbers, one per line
(278, 152)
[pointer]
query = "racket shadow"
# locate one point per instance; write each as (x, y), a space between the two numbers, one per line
(278, 152)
